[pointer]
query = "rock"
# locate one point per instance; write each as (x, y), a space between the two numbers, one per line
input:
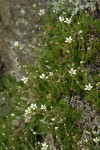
(18, 20)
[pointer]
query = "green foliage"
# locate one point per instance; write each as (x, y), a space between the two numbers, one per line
(42, 114)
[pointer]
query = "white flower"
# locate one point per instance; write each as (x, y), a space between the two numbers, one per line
(34, 133)
(80, 31)
(42, 76)
(44, 146)
(4, 126)
(50, 73)
(96, 140)
(70, 1)
(49, 96)
(34, 5)
(81, 62)
(33, 106)
(46, 77)
(12, 114)
(68, 40)
(53, 119)
(25, 80)
(43, 107)
(95, 132)
(41, 12)
(28, 111)
(86, 140)
(56, 128)
(16, 44)
(72, 71)
(61, 1)
(61, 18)
(88, 87)
(68, 21)
(78, 22)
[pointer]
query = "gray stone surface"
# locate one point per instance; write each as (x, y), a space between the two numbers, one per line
(19, 21)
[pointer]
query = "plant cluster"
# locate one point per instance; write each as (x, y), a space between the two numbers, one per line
(49, 101)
